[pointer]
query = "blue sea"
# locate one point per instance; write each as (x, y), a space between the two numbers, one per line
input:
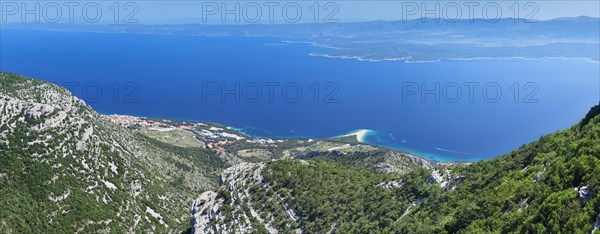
(446, 111)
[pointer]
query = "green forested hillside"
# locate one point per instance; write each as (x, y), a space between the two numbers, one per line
(548, 186)
(64, 168)
(326, 195)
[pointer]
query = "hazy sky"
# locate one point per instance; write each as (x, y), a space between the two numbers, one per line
(305, 11)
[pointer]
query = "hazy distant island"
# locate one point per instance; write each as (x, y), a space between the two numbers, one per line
(411, 41)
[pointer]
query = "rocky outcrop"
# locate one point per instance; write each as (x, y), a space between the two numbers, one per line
(136, 188)
(418, 160)
(391, 184)
(410, 207)
(584, 193)
(445, 179)
(207, 210)
(401, 163)
(234, 208)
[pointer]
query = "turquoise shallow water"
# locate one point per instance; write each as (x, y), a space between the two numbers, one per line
(167, 76)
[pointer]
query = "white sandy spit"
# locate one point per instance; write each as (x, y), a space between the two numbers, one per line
(361, 134)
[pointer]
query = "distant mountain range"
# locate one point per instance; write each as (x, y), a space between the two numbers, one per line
(411, 41)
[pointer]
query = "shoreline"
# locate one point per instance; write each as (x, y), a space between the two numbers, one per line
(360, 134)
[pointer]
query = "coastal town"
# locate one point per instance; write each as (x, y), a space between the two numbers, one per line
(229, 140)
(206, 135)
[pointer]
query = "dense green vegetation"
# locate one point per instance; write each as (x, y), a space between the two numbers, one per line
(548, 186)
(370, 160)
(327, 195)
(532, 189)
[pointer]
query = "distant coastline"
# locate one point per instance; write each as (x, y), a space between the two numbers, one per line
(408, 59)
(361, 135)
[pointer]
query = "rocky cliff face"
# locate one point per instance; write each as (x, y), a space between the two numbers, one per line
(235, 181)
(232, 209)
